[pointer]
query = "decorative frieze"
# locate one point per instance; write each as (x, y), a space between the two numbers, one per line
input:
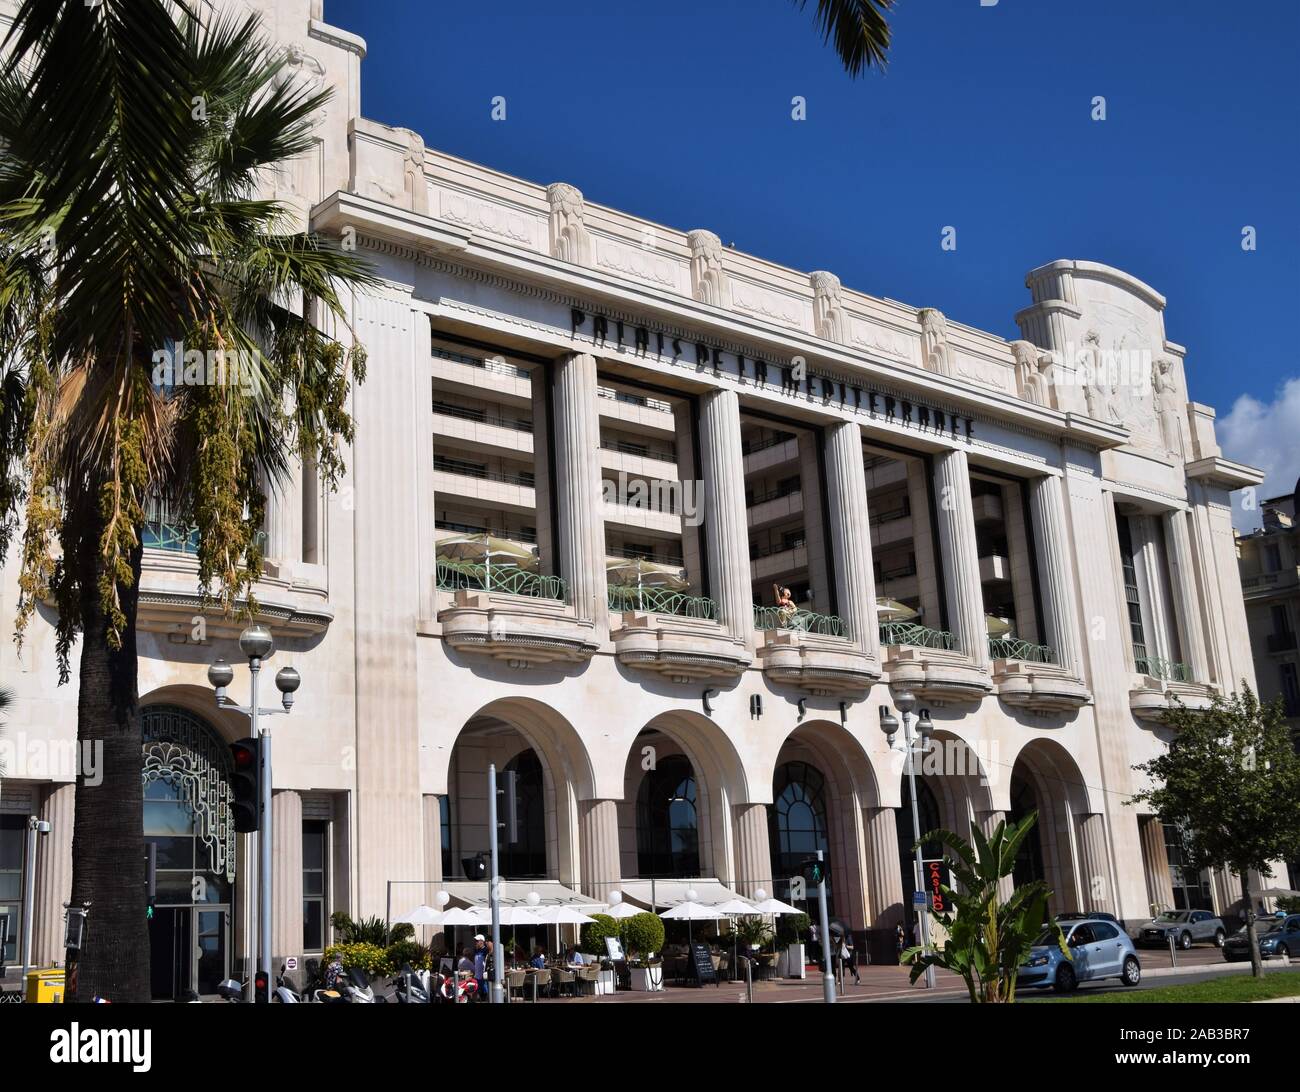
(830, 320)
(708, 276)
(936, 353)
(570, 241)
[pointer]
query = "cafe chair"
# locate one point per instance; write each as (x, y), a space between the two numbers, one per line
(560, 979)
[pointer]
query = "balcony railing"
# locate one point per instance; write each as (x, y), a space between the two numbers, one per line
(802, 621)
(664, 454)
(468, 413)
(1157, 668)
(632, 553)
(758, 550)
(751, 446)
(661, 601)
(1013, 648)
(452, 466)
(887, 515)
(527, 537)
(775, 493)
(469, 575)
(487, 365)
(918, 636)
(634, 399)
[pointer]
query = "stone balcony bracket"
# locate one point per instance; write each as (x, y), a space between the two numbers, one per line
(1151, 698)
(682, 649)
(936, 675)
(516, 629)
(1038, 687)
(820, 665)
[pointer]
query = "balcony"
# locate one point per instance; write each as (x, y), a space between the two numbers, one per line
(1152, 698)
(1027, 676)
(1013, 648)
(1281, 642)
(797, 621)
(511, 615)
(660, 601)
(812, 652)
(769, 453)
(1162, 670)
(927, 661)
(681, 641)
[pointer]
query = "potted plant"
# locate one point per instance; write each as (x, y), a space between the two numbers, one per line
(790, 931)
(643, 938)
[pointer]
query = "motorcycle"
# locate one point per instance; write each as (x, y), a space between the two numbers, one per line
(231, 990)
(413, 987)
(460, 989)
(284, 990)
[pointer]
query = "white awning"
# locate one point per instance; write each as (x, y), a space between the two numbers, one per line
(515, 893)
(667, 893)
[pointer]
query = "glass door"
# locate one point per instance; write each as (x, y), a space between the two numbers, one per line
(211, 949)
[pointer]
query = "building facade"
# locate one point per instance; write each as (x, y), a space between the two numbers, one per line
(658, 526)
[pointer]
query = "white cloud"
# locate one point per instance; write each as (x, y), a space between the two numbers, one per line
(1266, 435)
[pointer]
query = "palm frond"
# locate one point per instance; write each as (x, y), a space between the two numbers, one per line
(857, 28)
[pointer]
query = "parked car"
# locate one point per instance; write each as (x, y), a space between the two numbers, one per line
(1187, 927)
(1276, 939)
(1092, 915)
(1098, 949)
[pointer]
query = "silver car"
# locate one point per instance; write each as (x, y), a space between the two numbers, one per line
(1186, 927)
(1098, 949)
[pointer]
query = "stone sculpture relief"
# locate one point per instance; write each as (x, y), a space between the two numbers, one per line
(936, 355)
(1033, 372)
(829, 320)
(414, 185)
(708, 277)
(569, 239)
(1164, 386)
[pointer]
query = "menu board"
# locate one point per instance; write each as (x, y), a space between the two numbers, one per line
(702, 963)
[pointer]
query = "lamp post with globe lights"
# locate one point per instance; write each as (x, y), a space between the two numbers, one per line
(256, 643)
(906, 702)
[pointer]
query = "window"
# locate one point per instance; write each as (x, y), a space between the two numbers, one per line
(1083, 934)
(527, 857)
(1102, 931)
(1272, 558)
(667, 830)
(1290, 688)
(315, 854)
(797, 821)
(1131, 596)
(444, 831)
(13, 836)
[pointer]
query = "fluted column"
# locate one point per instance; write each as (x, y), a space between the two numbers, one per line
(432, 846)
(1160, 884)
(284, 518)
(1052, 549)
(53, 875)
(725, 530)
(884, 871)
(846, 485)
(1094, 861)
(753, 850)
(961, 563)
(598, 845)
(1187, 598)
(577, 483)
(286, 873)
(988, 821)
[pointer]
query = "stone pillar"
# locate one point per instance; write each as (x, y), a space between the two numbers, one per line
(432, 847)
(598, 846)
(1187, 598)
(884, 869)
(753, 850)
(53, 875)
(961, 565)
(1052, 549)
(284, 520)
(286, 875)
(1160, 885)
(988, 821)
(577, 482)
(1095, 889)
(846, 486)
(725, 529)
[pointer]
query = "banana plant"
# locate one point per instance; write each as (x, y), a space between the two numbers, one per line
(986, 938)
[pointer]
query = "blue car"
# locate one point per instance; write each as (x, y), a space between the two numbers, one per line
(1098, 949)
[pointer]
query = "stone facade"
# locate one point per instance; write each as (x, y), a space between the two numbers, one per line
(1035, 543)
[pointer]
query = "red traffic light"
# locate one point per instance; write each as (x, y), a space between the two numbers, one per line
(260, 983)
(243, 756)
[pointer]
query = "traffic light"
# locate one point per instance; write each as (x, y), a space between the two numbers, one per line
(814, 871)
(261, 990)
(247, 785)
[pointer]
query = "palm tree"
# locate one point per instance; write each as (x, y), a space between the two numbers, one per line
(857, 28)
(135, 139)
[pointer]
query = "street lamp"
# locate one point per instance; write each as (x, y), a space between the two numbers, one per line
(906, 702)
(257, 644)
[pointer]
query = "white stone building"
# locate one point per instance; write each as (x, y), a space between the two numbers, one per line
(1040, 551)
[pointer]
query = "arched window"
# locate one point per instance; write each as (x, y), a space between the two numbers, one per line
(1029, 860)
(927, 809)
(797, 825)
(667, 830)
(526, 859)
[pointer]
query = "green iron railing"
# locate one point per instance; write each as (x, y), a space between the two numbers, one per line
(1013, 648)
(661, 601)
(509, 579)
(1158, 668)
(918, 636)
(157, 535)
(803, 621)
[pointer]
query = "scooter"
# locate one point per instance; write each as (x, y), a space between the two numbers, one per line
(460, 989)
(231, 990)
(284, 991)
(354, 989)
(413, 987)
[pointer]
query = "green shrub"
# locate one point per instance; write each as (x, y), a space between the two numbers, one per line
(643, 933)
(369, 957)
(408, 951)
(594, 934)
(369, 930)
(1290, 904)
(791, 929)
(753, 930)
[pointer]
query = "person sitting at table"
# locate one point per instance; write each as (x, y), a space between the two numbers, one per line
(466, 964)
(539, 958)
(575, 958)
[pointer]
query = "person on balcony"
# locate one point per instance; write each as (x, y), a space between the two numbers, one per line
(785, 606)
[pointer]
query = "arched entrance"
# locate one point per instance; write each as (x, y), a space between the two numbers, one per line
(797, 827)
(187, 818)
(1046, 779)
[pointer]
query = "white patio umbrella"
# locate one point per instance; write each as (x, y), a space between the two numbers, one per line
(639, 573)
(457, 916)
(485, 550)
(775, 906)
(421, 915)
(688, 912)
(736, 908)
(623, 910)
(891, 610)
(996, 627)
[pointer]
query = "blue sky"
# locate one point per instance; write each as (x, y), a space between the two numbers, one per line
(679, 111)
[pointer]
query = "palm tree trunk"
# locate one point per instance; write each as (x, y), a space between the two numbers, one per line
(108, 866)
